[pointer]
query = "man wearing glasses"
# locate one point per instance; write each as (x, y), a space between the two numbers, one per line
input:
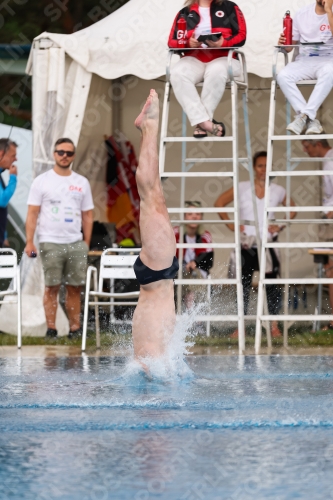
(61, 201)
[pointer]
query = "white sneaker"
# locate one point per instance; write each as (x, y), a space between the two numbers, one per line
(298, 125)
(314, 127)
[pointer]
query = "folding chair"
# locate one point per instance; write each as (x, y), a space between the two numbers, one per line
(115, 264)
(10, 269)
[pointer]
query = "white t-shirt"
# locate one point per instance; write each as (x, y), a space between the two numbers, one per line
(310, 27)
(61, 200)
(328, 180)
(205, 25)
(277, 195)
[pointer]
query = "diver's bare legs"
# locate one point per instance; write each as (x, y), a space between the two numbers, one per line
(154, 317)
(158, 240)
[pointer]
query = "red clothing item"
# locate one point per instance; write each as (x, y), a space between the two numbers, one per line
(204, 257)
(123, 199)
(226, 18)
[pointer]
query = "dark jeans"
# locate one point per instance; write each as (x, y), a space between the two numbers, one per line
(250, 264)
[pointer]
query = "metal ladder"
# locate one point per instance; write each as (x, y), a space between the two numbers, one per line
(187, 164)
(291, 165)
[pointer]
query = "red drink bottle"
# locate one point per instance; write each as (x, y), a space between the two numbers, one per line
(181, 32)
(288, 28)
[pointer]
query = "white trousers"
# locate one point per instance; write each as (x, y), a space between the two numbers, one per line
(188, 72)
(307, 68)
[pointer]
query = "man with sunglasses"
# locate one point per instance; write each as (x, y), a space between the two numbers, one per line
(7, 159)
(61, 201)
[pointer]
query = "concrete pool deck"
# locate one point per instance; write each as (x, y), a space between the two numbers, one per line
(73, 351)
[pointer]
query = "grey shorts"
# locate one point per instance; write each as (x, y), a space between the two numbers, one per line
(64, 262)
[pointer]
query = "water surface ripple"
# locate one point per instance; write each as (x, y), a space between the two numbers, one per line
(239, 428)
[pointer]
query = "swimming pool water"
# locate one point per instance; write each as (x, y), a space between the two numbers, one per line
(240, 428)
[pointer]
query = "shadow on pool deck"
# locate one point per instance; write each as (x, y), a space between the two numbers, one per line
(67, 351)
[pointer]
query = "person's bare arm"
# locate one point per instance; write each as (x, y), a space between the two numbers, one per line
(282, 41)
(292, 204)
(328, 5)
(87, 225)
(223, 200)
(30, 228)
(274, 228)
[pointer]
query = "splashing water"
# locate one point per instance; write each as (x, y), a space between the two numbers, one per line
(170, 367)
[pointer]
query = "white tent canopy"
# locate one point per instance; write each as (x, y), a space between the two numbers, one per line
(131, 41)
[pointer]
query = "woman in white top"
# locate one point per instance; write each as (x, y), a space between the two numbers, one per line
(250, 254)
(225, 20)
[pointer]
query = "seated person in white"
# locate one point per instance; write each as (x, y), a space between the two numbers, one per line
(209, 66)
(249, 245)
(313, 23)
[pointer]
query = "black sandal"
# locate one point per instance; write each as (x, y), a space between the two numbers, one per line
(199, 133)
(216, 130)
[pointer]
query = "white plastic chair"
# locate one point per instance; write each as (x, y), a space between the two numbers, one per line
(116, 263)
(10, 270)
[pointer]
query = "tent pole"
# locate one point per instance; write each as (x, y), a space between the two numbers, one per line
(116, 107)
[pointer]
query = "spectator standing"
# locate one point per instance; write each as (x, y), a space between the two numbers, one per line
(209, 66)
(313, 23)
(62, 201)
(249, 250)
(7, 159)
(320, 148)
(196, 261)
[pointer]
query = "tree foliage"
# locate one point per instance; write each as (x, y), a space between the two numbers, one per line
(22, 20)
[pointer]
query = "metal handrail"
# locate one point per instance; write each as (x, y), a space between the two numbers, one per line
(276, 53)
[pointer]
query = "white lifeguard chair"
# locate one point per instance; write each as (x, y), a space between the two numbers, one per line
(233, 85)
(291, 164)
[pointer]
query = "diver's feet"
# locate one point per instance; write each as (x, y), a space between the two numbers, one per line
(148, 118)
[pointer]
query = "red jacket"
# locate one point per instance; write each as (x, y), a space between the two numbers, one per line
(225, 17)
(204, 257)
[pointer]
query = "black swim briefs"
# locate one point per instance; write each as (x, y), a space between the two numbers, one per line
(145, 275)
